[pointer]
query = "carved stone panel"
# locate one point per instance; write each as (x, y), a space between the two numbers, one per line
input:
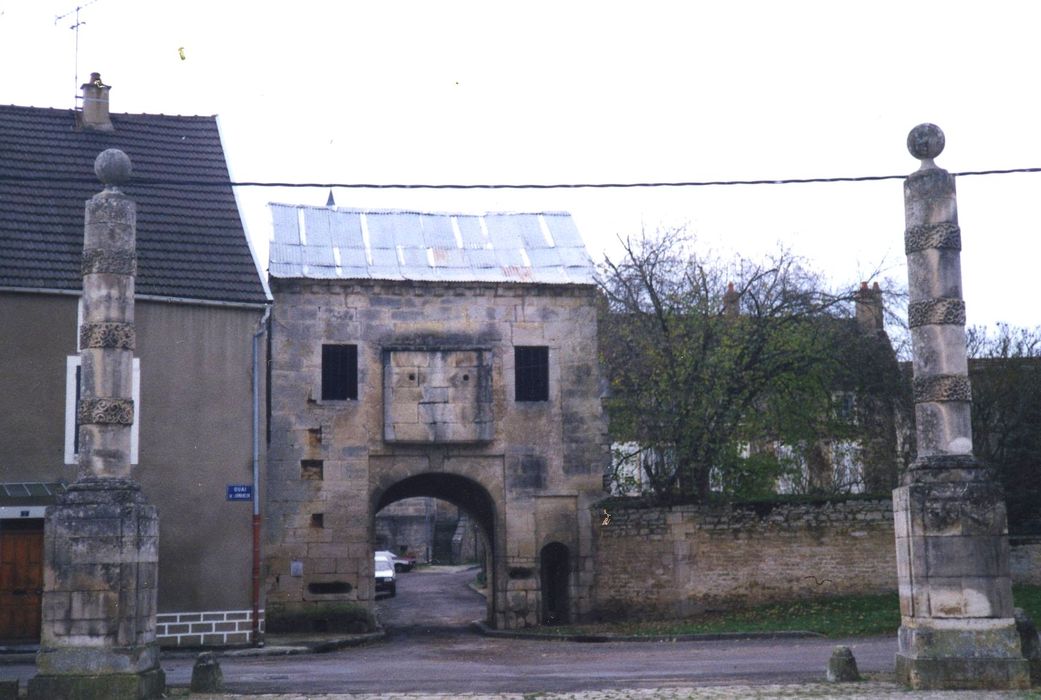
(437, 396)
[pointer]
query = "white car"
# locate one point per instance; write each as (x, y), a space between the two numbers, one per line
(401, 563)
(386, 579)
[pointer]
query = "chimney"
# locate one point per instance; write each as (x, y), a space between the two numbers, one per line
(869, 308)
(731, 302)
(94, 114)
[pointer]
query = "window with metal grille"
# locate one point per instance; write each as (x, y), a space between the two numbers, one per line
(531, 372)
(339, 372)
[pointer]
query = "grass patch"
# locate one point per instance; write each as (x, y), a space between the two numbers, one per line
(1028, 598)
(846, 616)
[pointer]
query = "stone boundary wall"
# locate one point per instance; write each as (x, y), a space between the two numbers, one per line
(681, 560)
(211, 628)
(1025, 560)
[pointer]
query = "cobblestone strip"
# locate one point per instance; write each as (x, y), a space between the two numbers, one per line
(817, 691)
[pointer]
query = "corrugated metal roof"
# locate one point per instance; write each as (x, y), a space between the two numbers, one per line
(337, 243)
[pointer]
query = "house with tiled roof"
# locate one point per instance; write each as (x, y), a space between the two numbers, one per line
(199, 303)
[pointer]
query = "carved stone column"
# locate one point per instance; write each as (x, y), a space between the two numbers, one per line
(101, 538)
(957, 628)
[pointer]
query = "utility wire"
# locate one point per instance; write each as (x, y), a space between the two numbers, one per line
(182, 182)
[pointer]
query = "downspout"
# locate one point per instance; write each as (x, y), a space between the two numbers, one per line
(257, 641)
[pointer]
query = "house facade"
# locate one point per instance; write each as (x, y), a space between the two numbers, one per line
(199, 300)
(442, 356)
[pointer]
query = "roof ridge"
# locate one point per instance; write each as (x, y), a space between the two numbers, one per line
(380, 210)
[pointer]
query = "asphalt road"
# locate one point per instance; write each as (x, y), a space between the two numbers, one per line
(429, 648)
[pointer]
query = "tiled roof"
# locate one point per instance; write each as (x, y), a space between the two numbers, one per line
(190, 240)
(331, 243)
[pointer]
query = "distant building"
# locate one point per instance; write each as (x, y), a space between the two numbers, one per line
(199, 301)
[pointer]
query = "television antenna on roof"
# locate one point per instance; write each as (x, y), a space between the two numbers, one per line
(76, 28)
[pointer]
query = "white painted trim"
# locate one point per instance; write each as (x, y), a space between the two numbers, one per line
(71, 363)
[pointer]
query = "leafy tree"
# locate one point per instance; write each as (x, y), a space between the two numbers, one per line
(1005, 370)
(707, 361)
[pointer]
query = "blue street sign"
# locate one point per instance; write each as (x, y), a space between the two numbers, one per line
(240, 492)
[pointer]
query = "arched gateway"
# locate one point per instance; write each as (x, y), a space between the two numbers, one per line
(451, 356)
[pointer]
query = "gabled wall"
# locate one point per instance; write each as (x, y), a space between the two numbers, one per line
(539, 464)
(194, 432)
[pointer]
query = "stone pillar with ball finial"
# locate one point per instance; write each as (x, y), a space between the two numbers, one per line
(957, 627)
(101, 537)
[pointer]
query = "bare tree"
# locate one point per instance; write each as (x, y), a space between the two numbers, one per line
(1005, 369)
(706, 360)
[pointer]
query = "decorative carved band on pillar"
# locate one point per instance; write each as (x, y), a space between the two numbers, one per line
(105, 411)
(103, 260)
(944, 236)
(108, 335)
(942, 387)
(941, 312)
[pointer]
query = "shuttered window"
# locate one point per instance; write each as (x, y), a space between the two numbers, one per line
(339, 372)
(531, 372)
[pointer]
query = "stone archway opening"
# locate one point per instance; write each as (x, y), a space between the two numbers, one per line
(555, 578)
(428, 493)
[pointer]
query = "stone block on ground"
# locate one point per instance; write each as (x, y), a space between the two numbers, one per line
(206, 674)
(842, 666)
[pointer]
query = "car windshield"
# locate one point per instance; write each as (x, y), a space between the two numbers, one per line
(384, 565)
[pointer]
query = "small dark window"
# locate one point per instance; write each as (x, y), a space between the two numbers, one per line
(318, 520)
(339, 372)
(312, 469)
(531, 372)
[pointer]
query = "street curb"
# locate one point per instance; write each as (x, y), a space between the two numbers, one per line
(487, 631)
(308, 646)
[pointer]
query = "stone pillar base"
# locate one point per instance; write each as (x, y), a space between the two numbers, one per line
(108, 686)
(97, 637)
(961, 655)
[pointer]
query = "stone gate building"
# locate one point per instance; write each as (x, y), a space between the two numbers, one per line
(439, 355)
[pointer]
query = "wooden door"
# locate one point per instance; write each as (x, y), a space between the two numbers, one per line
(21, 579)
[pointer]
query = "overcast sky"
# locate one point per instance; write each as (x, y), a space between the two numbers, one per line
(549, 92)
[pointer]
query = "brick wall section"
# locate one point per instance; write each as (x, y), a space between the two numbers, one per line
(683, 559)
(211, 629)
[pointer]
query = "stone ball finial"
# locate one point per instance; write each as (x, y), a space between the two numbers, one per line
(112, 167)
(925, 142)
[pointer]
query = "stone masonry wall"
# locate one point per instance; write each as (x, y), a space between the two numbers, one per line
(684, 559)
(1025, 560)
(528, 471)
(678, 561)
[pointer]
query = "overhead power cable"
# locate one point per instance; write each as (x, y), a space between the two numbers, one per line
(196, 182)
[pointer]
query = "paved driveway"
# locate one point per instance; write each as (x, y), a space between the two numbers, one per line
(430, 649)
